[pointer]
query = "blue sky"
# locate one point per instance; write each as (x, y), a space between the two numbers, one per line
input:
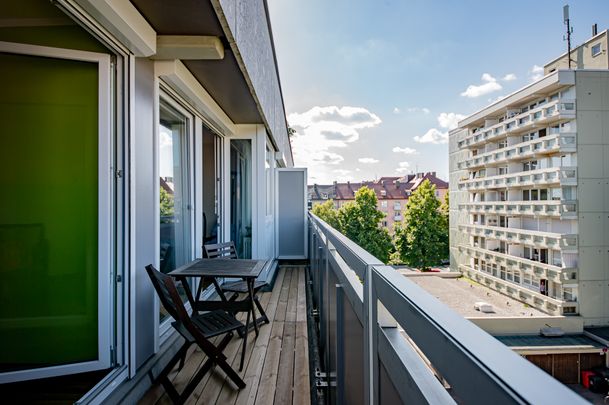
(372, 86)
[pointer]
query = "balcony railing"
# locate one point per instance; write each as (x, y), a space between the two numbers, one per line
(538, 239)
(563, 175)
(564, 209)
(385, 340)
(563, 142)
(543, 114)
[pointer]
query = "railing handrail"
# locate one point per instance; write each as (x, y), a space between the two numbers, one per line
(478, 367)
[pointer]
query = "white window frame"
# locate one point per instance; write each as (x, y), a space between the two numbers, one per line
(164, 329)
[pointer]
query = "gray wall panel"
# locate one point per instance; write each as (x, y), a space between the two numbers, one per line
(143, 168)
(291, 214)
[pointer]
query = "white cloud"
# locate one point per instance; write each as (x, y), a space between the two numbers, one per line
(323, 128)
(396, 110)
(424, 110)
(535, 73)
(406, 151)
(446, 121)
(403, 167)
(367, 160)
(449, 120)
(342, 172)
(509, 77)
(434, 136)
(489, 85)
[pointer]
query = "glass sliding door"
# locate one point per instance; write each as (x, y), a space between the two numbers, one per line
(55, 212)
(174, 188)
(241, 196)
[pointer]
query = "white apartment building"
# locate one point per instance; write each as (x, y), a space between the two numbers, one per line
(529, 184)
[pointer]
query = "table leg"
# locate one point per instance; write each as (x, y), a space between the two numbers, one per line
(250, 287)
(188, 292)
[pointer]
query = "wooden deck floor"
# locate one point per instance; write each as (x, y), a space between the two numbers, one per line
(276, 368)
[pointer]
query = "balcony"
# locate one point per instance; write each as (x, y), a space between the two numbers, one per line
(563, 209)
(545, 114)
(563, 142)
(521, 293)
(547, 240)
(532, 267)
(383, 339)
(563, 175)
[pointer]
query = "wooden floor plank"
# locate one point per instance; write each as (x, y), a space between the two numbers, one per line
(270, 370)
(302, 393)
(285, 377)
(283, 298)
(256, 362)
(290, 315)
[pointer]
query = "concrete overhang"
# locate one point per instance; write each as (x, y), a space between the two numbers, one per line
(191, 32)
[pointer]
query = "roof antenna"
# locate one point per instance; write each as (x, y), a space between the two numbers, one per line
(567, 22)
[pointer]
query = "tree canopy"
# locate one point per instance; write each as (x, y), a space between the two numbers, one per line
(422, 240)
(328, 213)
(360, 222)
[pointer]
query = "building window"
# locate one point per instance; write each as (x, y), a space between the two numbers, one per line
(596, 49)
(530, 165)
(384, 204)
(502, 273)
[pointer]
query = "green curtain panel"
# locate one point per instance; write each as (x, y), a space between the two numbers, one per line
(48, 211)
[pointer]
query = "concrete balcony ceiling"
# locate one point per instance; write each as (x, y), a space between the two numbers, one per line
(222, 78)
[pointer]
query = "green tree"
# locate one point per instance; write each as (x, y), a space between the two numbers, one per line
(444, 217)
(360, 222)
(419, 240)
(166, 203)
(328, 213)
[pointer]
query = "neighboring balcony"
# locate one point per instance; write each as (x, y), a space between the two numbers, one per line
(537, 239)
(518, 292)
(543, 115)
(563, 175)
(561, 142)
(541, 270)
(385, 340)
(563, 209)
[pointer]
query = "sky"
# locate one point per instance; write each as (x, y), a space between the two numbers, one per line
(372, 87)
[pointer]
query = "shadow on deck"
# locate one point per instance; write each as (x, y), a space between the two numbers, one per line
(276, 368)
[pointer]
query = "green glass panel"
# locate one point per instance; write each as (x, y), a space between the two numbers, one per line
(48, 211)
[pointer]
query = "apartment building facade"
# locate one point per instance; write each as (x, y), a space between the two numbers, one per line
(391, 192)
(530, 195)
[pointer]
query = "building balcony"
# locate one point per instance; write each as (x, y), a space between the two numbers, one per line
(546, 114)
(563, 175)
(537, 239)
(541, 270)
(562, 142)
(385, 340)
(548, 304)
(563, 209)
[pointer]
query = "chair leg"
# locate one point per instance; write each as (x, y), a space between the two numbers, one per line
(262, 313)
(163, 376)
(247, 325)
(231, 373)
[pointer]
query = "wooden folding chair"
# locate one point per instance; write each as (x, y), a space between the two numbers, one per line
(196, 329)
(227, 250)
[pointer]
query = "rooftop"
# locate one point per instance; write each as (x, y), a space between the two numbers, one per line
(555, 342)
(460, 294)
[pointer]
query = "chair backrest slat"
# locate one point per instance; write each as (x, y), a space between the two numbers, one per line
(224, 250)
(168, 292)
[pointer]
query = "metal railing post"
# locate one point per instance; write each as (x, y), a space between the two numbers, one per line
(340, 346)
(370, 339)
